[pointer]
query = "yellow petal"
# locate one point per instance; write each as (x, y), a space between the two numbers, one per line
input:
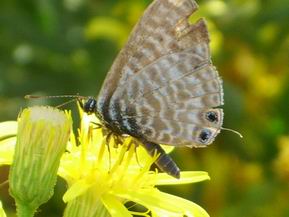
(7, 147)
(186, 178)
(187, 207)
(154, 199)
(163, 213)
(168, 148)
(76, 189)
(114, 206)
(8, 129)
(2, 212)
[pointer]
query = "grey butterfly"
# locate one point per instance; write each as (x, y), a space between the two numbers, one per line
(162, 87)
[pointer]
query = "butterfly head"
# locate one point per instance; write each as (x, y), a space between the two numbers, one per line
(89, 105)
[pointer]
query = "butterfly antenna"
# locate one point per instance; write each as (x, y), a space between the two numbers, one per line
(75, 98)
(48, 97)
(233, 131)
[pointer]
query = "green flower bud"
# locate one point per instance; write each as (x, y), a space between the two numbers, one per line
(43, 133)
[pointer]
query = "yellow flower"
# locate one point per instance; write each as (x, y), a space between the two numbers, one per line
(2, 212)
(102, 182)
(8, 131)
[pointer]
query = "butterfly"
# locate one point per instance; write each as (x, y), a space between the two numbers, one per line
(162, 87)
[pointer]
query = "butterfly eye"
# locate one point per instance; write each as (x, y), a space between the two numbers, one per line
(205, 135)
(212, 116)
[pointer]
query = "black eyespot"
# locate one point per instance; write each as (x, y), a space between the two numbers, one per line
(205, 135)
(212, 116)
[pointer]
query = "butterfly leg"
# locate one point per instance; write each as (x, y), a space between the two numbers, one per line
(164, 162)
(97, 125)
(117, 140)
(108, 138)
(136, 155)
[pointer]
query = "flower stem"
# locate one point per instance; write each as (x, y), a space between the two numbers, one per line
(24, 210)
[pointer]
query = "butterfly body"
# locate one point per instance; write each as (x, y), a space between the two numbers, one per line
(119, 127)
(162, 88)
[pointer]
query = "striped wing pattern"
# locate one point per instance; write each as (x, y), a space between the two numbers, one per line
(163, 79)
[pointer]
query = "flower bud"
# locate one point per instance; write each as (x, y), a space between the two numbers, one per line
(43, 133)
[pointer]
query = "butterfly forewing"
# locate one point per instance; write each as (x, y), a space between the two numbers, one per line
(152, 37)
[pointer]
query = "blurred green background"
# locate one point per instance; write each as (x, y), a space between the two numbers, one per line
(67, 46)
